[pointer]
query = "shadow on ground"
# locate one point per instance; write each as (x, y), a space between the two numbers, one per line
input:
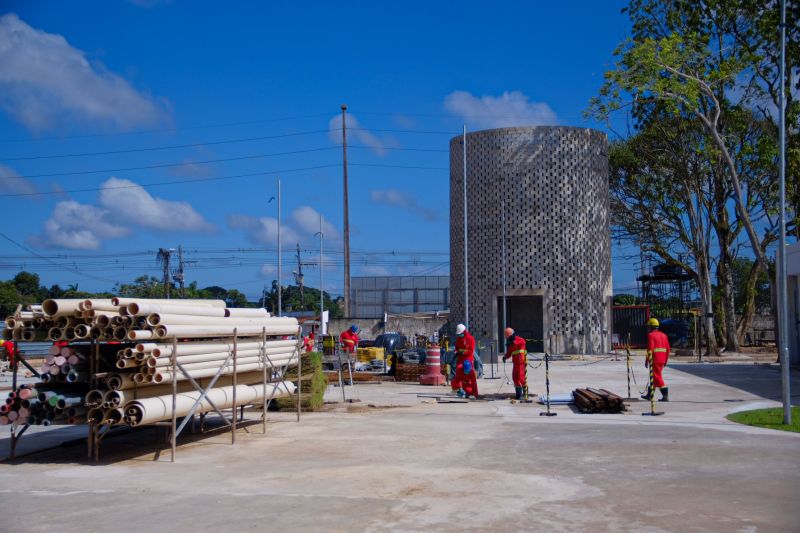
(763, 380)
(148, 443)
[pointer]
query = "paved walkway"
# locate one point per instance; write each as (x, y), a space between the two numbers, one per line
(395, 461)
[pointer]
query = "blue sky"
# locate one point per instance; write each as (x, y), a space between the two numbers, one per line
(196, 93)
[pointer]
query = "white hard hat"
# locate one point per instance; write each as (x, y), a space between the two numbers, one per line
(461, 328)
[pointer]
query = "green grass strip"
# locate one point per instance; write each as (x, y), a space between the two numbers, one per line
(771, 418)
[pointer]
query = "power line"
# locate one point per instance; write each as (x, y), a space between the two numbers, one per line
(208, 161)
(168, 147)
(62, 267)
(211, 143)
(165, 130)
(213, 178)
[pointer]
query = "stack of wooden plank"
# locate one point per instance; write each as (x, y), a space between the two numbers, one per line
(590, 400)
(409, 372)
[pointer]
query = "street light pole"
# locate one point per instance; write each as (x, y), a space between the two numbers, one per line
(321, 290)
(280, 280)
(466, 251)
(783, 312)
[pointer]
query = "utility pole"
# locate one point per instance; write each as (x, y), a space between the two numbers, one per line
(298, 278)
(321, 290)
(280, 279)
(162, 258)
(466, 252)
(178, 275)
(346, 217)
(783, 309)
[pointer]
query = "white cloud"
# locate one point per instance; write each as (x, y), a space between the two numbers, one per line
(78, 227)
(373, 270)
(12, 183)
(269, 270)
(122, 206)
(131, 202)
(509, 109)
(45, 82)
(355, 131)
(402, 200)
(300, 226)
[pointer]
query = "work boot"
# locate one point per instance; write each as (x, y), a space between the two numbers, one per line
(646, 396)
(664, 394)
(460, 393)
(519, 393)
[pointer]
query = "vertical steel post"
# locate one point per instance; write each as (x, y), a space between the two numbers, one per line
(280, 280)
(174, 359)
(346, 215)
(264, 379)
(466, 248)
(783, 309)
(503, 263)
(299, 372)
(235, 384)
(547, 384)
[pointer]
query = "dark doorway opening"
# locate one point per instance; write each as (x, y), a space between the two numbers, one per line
(526, 316)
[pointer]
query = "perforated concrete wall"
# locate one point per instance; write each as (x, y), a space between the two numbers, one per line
(551, 183)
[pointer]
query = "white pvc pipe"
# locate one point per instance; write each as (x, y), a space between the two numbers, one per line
(60, 307)
(144, 309)
(166, 377)
(194, 348)
(140, 334)
(119, 381)
(156, 319)
(126, 301)
(29, 335)
(245, 312)
(212, 356)
(150, 410)
(288, 328)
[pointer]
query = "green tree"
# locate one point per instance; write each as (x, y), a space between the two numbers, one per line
(713, 63)
(624, 299)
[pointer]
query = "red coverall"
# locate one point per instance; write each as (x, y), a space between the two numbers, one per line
(9, 347)
(465, 351)
(349, 341)
(519, 356)
(658, 349)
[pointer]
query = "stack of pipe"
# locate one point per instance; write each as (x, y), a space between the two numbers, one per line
(132, 387)
(23, 325)
(64, 364)
(29, 405)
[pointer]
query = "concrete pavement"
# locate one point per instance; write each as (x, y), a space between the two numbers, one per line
(398, 462)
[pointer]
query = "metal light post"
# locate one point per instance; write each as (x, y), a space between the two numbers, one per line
(466, 253)
(783, 313)
(321, 290)
(280, 280)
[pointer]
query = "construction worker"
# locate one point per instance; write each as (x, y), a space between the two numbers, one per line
(465, 382)
(7, 347)
(515, 349)
(349, 339)
(658, 355)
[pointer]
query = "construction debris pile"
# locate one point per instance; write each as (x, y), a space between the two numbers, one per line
(598, 401)
(119, 360)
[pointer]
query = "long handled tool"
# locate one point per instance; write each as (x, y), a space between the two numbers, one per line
(547, 384)
(651, 389)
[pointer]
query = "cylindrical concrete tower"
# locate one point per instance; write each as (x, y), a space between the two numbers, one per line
(551, 184)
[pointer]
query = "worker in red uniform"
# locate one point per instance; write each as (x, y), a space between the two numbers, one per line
(308, 343)
(349, 339)
(465, 382)
(515, 349)
(657, 355)
(8, 347)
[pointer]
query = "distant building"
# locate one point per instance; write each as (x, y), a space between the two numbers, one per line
(371, 297)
